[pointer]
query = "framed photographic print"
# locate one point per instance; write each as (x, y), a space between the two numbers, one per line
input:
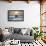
(15, 15)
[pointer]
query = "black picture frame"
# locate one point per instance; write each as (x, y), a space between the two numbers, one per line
(15, 15)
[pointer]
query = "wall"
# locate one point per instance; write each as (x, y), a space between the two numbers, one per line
(31, 14)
